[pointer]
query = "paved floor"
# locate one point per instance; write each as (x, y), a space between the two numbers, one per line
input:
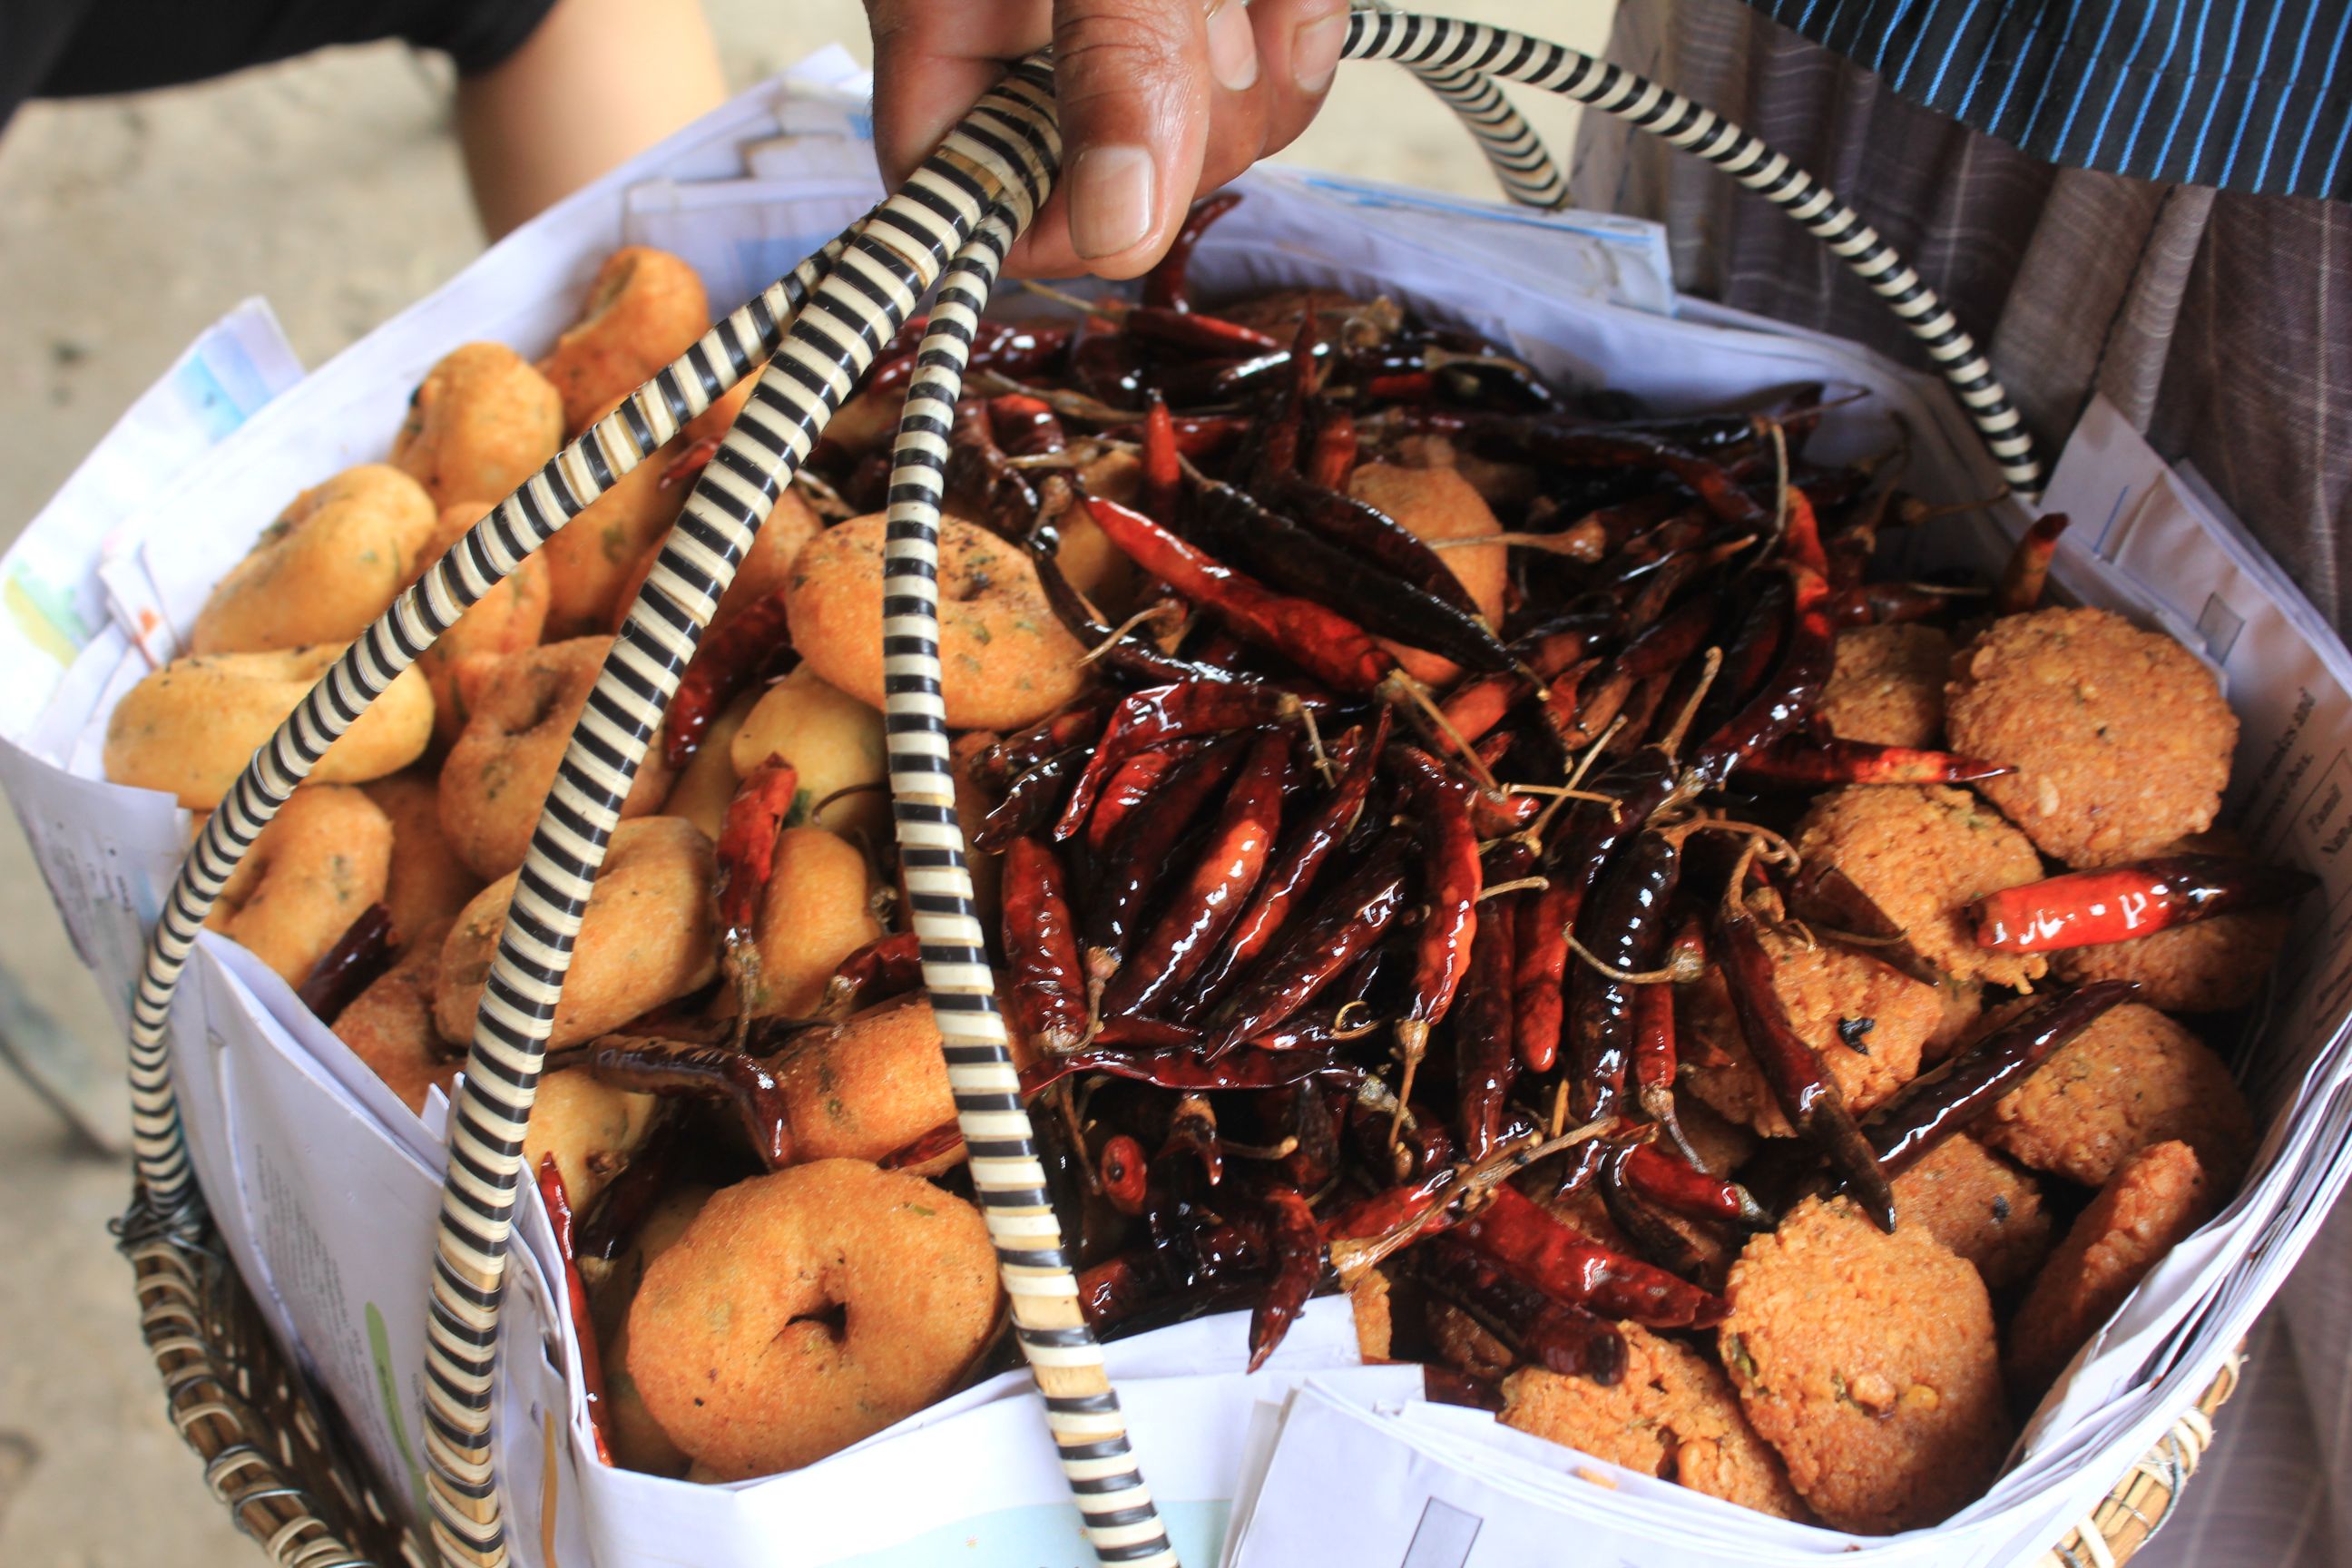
(331, 186)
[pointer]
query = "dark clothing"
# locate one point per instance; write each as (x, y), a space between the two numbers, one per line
(74, 48)
(2220, 323)
(2243, 97)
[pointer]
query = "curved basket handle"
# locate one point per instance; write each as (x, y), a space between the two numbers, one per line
(1455, 57)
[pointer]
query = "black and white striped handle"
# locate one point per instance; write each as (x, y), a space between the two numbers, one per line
(1459, 58)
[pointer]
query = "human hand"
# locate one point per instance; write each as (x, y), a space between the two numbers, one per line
(1160, 100)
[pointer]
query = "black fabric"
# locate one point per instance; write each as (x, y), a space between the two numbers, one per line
(2244, 95)
(72, 49)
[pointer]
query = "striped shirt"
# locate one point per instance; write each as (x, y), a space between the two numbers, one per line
(2244, 95)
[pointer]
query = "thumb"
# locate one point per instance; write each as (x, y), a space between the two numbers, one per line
(1132, 81)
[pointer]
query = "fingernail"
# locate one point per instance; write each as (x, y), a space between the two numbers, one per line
(1233, 48)
(1315, 51)
(1111, 200)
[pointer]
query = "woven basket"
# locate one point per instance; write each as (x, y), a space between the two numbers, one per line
(269, 1438)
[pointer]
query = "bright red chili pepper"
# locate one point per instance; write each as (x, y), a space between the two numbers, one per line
(1568, 1341)
(1164, 287)
(1546, 1253)
(592, 1365)
(1297, 1256)
(1451, 877)
(1822, 765)
(2082, 909)
(746, 844)
(1048, 988)
(1163, 474)
(359, 957)
(1677, 1184)
(1485, 1068)
(887, 967)
(1158, 714)
(1808, 1096)
(1124, 1172)
(731, 657)
(1210, 900)
(2028, 572)
(1333, 457)
(1327, 645)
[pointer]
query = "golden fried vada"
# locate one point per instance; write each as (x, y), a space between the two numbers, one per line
(390, 1026)
(521, 712)
(2121, 738)
(318, 866)
(649, 935)
(507, 619)
(2148, 1207)
(637, 1439)
(1005, 660)
(833, 741)
(1887, 688)
(189, 727)
(818, 909)
(645, 307)
(872, 1083)
(1671, 1416)
(428, 884)
(481, 421)
(807, 1309)
(589, 1127)
(1868, 1361)
(329, 564)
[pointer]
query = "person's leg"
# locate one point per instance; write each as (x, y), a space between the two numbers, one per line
(596, 82)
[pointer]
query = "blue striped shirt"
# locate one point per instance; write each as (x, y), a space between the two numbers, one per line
(2247, 95)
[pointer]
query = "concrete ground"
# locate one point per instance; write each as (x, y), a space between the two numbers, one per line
(332, 186)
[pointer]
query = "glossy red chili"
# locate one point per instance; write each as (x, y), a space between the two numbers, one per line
(1565, 1340)
(1825, 765)
(1296, 1249)
(1537, 1249)
(1327, 645)
(2080, 909)
(746, 844)
(1208, 902)
(731, 657)
(1451, 877)
(1156, 715)
(1624, 925)
(592, 1365)
(2028, 572)
(356, 962)
(1358, 912)
(1484, 1065)
(887, 967)
(1539, 975)
(1166, 285)
(1956, 1092)
(1047, 986)
(1808, 1096)
(1292, 874)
